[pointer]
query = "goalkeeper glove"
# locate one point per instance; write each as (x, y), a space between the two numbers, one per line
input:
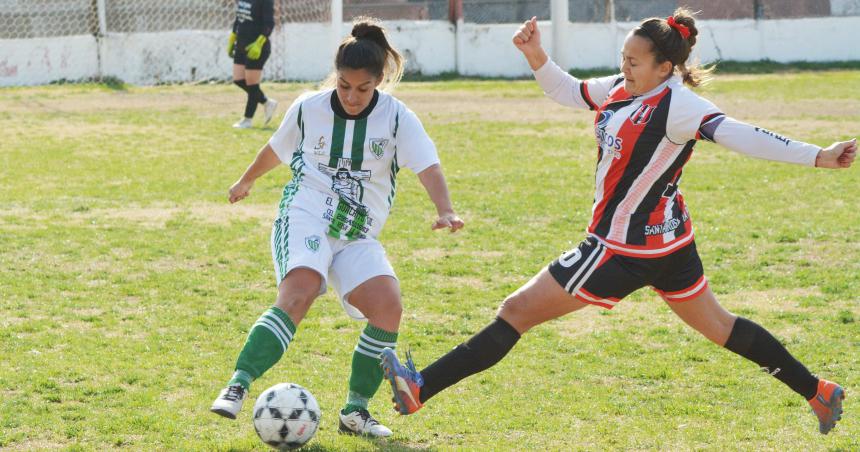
(231, 45)
(255, 48)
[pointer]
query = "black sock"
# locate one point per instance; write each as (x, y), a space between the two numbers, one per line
(480, 352)
(253, 99)
(756, 344)
(241, 84)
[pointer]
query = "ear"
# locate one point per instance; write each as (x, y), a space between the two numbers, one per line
(378, 81)
(665, 68)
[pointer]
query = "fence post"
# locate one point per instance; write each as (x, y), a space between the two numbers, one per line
(102, 15)
(559, 13)
(100, 5)
(455, 15)
(336, 22)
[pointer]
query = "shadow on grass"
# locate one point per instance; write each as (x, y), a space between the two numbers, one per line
(392, 445)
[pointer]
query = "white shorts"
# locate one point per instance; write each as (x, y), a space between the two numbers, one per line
(301, 240)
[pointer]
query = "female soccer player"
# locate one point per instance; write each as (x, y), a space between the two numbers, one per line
(345, 146)
(249, 47)
(640, 233)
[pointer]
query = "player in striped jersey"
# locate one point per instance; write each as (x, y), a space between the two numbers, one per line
(640, 234)
(345, 146)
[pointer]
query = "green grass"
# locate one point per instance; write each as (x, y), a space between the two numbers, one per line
(127, 283)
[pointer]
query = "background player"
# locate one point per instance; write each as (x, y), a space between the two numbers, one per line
(345, 147)
(640, 234)
(249, 46)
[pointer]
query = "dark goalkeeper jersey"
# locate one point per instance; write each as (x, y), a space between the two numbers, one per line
(254, 18)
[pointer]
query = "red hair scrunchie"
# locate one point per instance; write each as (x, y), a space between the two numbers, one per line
(685, 32)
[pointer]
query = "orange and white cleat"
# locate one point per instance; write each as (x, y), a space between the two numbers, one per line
(827, 405)
(405, 381)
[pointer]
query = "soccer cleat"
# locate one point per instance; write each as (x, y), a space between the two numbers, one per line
(229, 401)
(362, 423)
(245, 123)
(269, 108)
(827, 405)
(405, 381)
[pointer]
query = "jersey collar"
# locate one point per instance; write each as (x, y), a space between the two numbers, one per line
(338, 108)
(673, 80)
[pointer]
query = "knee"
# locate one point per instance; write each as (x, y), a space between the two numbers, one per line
(514, 312)
(240, 83)
(297, 299)
(385, 310)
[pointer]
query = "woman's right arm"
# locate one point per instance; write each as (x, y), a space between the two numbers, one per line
(266, 161)
(557, 84)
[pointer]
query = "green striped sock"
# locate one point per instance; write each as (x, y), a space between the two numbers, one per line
(366, 374)
(268, 340)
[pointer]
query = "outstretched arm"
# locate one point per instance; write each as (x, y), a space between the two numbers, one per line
(434, 182)
(266, 160)
(764, 144)
(557, 84)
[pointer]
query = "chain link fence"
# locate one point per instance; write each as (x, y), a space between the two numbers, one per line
(22, 19)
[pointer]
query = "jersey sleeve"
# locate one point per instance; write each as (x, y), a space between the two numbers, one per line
(570, 91)
(290, 133)
(761, 143)
(413, 147)
(268, 19)
(689, 116)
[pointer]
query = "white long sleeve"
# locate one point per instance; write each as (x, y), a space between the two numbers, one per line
(570, 91)
(764, 144)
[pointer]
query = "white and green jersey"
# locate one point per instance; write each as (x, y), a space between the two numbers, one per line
(345, 167)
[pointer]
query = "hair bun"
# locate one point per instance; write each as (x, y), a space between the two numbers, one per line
(684, 17)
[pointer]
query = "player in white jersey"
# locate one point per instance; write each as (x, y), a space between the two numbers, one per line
(345, 146)
(640, 234)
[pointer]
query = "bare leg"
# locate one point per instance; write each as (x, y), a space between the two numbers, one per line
(297, 292)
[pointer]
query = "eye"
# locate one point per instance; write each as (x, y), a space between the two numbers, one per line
(362, 90)
(342, 86)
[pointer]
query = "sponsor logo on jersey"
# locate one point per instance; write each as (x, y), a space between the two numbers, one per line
(313, 243)
(642, 114)
(775, 136)
(319, 149)
(243, 11)
(608, 143)
(605, 116)
(377, 147)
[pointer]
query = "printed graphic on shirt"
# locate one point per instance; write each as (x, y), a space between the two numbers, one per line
(243, 11)
(347, 183)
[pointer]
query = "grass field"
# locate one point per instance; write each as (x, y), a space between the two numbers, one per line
(127, 282)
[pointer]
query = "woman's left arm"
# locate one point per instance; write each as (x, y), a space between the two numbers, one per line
(764, 144)
(433, 181)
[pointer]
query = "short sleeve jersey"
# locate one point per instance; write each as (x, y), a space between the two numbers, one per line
(643, 143)
(345, 167)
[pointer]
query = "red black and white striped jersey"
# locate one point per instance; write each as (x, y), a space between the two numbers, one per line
(643, 143)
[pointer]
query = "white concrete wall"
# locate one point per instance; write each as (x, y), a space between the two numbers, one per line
(306, 51)
(43, 60)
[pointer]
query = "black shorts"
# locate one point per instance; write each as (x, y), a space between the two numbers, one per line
(595, 274)
(239, 56)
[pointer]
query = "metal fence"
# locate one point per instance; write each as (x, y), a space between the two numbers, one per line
(43, 18)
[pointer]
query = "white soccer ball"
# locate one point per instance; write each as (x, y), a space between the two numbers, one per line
(286, 416)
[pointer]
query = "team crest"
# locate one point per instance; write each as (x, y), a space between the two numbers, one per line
(642, 114)
(313, 243)
(377, 147)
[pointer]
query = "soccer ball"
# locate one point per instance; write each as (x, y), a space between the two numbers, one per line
(286, 416)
